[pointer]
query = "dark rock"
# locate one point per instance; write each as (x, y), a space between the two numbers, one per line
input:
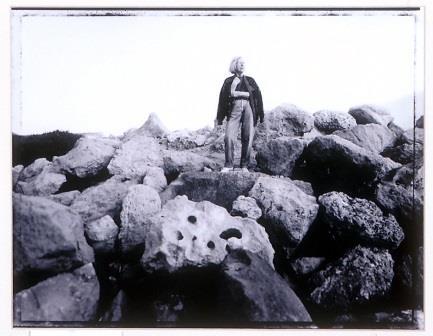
(420, 122)
(405, 153)
(246, 207)
(278, 156)
(306, 265)
(168, 310)
(372, 137)
(330, 121)
(360, 276)
(117, 310)
(355, 221)
(48, 237)
(67, 297)
(288, 120)
(368, 114)
(254, 292)
(397, 130)
(186, 233)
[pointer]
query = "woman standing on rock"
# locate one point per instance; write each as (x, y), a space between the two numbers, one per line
(241, 102)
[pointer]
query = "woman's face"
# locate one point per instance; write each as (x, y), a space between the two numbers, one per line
(241, 65)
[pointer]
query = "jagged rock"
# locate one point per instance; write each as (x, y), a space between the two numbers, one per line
(355, 221)
(334, 163)
(140, 202)
(368, 114)
(372, 137)
(304, 186)
(102, 234)
(246, 207)
(48, 237)
(287, 209)
(184, 139)
(288, 120)
(40, 178)
(181, 162)
(67, 297)
(420, 122)
(397, 130)
(16, 171)
(134, 157)
(360, 276)
(254, 292)
(331, 121)
(306, 265)
(89, 156)
(278, 156)
(405, 153)
(401, 202)
(66, 198)
(219, 188)
(117, 309)
(104, 199)
(153, 127)
(413, 135)
(187, 233)
(155, 178)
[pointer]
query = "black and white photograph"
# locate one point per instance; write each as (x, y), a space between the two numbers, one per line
(217, 168)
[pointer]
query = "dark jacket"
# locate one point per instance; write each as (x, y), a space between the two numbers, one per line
(225, 100)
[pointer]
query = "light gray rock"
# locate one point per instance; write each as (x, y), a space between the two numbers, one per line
(372, 137)
(102, 234)
(187, 233)
(288, 210)
(16, 171)
(67, 297)
(246, 207)
(361, 275)
(153, 127)
(66, 198)
(89, 156)
(34, 169)
(139, 204)
(369, 114)
(48, 237)
(330, 121)
(356, 221)
(413, 135)
(306, 265)
(184, 139)
(155, 178)
(289, 120)
(134, 157)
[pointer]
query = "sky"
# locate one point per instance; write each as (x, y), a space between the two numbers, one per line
(108, 73)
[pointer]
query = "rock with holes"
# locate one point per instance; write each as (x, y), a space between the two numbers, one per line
(287, 210)
(65, 198)
(16, 171)
(361, 275)
(278, 156)
(219, 188)
(254, 292)
(155, 178)
(246, 207)
(368, 114)
(354, 221)
(89, 156)
(67, 297)
(104, 199)
(40, 178)
(48, 237)
(288, 120)
(306, 265)
(134, 156)
(372, 137)
(139, 204)
(186, 233)
(330, 121)
(102, 234)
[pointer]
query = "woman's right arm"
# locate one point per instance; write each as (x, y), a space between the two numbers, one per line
(235, 93)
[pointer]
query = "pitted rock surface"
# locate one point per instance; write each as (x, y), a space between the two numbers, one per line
(289, 120)
(357, 220)
(330, 121)
(187, 233)
(246, 207)
(65, 198)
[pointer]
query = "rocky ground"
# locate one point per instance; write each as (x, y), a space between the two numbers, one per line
(326, 229)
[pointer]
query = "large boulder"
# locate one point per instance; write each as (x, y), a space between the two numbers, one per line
(289, 120)
(89, 156)
(360, 276)
(413, 135)
(219, 188)
(104, 199)
(254, 292)
(48, 237)
(40, 178)
(330, 121)
(405, 153)
(155, 178)
(333, 163)
(102, 234)
(353, 221)
(139, 204)
(134, 156)
(288, 211)
(187, 233)
(246, 207)
(278, 156)
(368, 114)
(67, 297)
(372, 137)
